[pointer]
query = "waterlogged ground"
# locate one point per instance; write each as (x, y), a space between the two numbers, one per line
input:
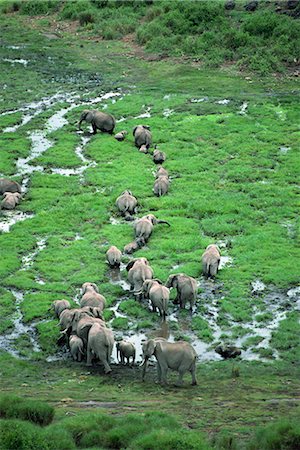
(231, 146)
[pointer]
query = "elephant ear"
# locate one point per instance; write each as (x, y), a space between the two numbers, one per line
(89, 116)
(130, 265)
(133, 132)
(95, 287)
(172, 281)
(84, 288)
(149, 348)
(146, 127)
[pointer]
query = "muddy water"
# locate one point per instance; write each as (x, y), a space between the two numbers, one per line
(10, 218)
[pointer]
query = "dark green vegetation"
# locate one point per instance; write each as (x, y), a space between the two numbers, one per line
(264, 41)
(235, 172)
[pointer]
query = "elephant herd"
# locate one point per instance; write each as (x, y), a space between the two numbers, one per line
(179, 356)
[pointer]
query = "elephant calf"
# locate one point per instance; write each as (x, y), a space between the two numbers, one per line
(211, 260)
(161, 186)
(158, 295)
(161, 172)
(125, 349)
(186, 289)
(142, 136)
(121, 135)
(113, 256)
(76, 347)
(159, 157)
(99, 120)
(134, 246)
(10, 200)
(179, 356)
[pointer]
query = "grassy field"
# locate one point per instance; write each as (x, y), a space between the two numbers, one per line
(232, 145)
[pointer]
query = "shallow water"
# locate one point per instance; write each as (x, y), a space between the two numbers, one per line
(10, 218)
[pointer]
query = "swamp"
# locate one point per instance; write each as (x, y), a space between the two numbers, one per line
(231, 136)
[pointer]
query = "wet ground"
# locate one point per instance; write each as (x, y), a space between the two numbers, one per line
(210, 292)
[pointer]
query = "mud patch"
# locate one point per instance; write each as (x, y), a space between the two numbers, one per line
(10, 218)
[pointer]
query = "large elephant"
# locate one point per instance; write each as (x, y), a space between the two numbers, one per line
(100, 345)
(211, 260)
(76, 347)
(113, 256)
(7, 185)
(161, 186)
(126, 204)
(91, 296)
(81, 324)
(179, 356)
(138, 271)
(142, 136)
(143, 227)
(59, 306)
(125, 349)
(10, 200)
(99, 120)
(158, 295)
(186, 289)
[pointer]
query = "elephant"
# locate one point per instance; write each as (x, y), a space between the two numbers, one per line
(138, 271)
(211, 260)
(161, 172)
(159, 157)
(126, 204)
(10, 200)
(81, 323)
(66, 317)
(229, 5)
(113, 256)
(7, 185)
(121, 135)
(179, 356)
(76, 347)
(142, 136)
(161, 186)
(144, 226)
(158, 295)
(93, 311)
(100, 345)
(186, 289)
(125, 349)
(91, 296)
(134, 245)
(251, 6)
(59, 306)
(99, 120)
(228, 351)
(143, 149)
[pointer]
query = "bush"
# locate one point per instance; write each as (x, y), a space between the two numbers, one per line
(33, 410)
(15, 434)
(280, 436)
(170, 440)
(85, 17)
(35, 7)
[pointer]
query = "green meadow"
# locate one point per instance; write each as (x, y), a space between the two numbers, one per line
(232, 145)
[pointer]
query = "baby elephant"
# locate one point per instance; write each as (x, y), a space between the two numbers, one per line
(134, 245)
(125, 349)
(121, 135)
(76, 347)
(10, 200)
(159, 157)
(161, 172)
(161, 186)
(143, 149)
(211, 260)
(113, 256)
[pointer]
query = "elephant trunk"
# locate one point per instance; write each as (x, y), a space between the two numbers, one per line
(144, 364)
(164, 221)
(79, 124)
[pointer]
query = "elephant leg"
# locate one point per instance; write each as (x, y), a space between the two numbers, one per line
(158, 372)
(94, 128)
(89, 357)
(180, 378)
(163, 372)
(193, 372)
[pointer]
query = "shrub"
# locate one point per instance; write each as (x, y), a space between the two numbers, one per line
(85, 17)
(15, 434)
(283, 435)
(32, 410)
(170, 440)
(35, 7)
